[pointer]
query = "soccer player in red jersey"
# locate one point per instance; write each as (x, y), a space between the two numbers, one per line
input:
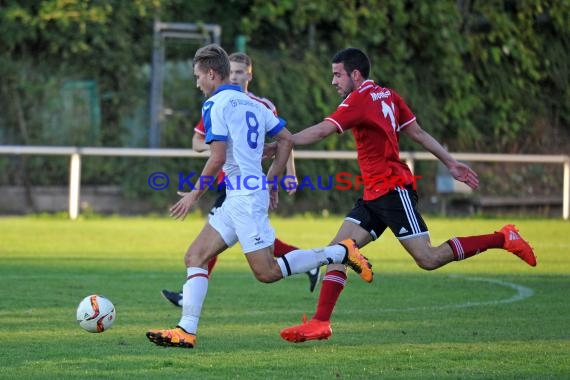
(241, 74)
(377, 116)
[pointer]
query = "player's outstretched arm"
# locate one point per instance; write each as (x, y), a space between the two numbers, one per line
(458, 170)
(315, 133)
(283, 150)
(290, 181)
(291, 172)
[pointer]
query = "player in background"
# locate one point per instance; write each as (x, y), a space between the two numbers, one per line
(377, 117)
(241, 73)
(236, 127)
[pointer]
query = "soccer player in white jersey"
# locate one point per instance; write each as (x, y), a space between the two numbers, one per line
(241, 73)
(236, 127)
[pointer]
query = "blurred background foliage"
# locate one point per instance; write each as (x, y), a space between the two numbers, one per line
(482, 76)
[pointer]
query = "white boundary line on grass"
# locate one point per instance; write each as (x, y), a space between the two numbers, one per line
(522, 293)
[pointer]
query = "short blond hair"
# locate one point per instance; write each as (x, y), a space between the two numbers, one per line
(241, 58)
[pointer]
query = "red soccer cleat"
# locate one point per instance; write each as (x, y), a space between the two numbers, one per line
(515, 244)
(308, 330)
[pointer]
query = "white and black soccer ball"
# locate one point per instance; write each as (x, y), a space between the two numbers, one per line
(96, 313)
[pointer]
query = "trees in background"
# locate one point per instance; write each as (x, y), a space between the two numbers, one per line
(485, 75)
(48, 43)
(481, 75)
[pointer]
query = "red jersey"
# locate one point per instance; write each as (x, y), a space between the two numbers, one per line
(199, 128)
(376, 116)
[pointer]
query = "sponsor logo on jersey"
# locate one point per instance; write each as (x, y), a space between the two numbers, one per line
(380, 95)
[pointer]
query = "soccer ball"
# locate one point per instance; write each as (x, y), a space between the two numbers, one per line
(95, 313)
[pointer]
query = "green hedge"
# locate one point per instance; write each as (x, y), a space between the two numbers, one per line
(481, 76)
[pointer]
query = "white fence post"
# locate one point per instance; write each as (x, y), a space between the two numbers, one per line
(408, 157)
(74, 185)
(410, 162)
(566, 190)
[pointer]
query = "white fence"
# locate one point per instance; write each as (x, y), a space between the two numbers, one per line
(75, 154)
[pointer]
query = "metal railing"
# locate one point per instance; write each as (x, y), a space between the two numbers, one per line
(410, 158)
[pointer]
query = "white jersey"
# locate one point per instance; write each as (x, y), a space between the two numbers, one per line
(232, 116)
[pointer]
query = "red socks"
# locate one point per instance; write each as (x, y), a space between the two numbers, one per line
(280, 248)
(212, 264)
(462, 247)
(332, 286)
(465, 247)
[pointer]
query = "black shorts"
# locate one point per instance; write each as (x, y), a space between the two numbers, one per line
(397, 210)
(221, 189)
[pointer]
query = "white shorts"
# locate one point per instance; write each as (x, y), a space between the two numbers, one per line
(245, 218)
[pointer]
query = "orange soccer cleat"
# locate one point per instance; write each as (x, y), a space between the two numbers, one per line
(308, 330)
(515, 244)
(175, 337)
(357, 261)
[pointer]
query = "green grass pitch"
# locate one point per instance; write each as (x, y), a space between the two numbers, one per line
(489, 317)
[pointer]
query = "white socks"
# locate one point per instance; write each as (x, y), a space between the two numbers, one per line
(193, 296)
(303, 260)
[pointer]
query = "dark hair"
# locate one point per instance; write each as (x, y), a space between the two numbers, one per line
(353, 59)
(240, 58)
(213, 57)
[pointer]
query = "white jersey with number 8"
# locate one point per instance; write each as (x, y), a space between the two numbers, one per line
(232, 116)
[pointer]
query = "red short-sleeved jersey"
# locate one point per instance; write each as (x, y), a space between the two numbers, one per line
(376, 115)
(199, 128)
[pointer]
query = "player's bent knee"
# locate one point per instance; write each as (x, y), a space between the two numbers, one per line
(426, 259)
(193, 259)
(266, 277)
(427, 263)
